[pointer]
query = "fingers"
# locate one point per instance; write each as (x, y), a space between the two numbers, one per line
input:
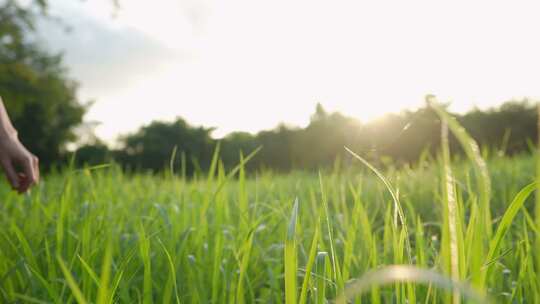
(11, 174)
(21, 167)
(29, 172)
(35, 163)
(22, 181)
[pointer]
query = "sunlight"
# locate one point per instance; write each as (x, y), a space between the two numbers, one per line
(244, 65)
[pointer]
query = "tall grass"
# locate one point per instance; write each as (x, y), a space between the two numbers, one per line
(454, 240)
(445, 233)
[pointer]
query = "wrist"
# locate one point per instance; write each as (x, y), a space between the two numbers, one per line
(8, 133)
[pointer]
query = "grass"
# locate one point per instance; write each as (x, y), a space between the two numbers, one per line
(460, 232)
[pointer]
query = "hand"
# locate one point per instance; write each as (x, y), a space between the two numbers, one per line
(20, 166)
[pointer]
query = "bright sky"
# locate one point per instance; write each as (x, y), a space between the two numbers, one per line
(249, 64)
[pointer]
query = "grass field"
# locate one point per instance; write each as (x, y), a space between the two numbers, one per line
(101, 236)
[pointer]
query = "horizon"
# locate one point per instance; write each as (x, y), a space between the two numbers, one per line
(248, 66)
(308, 115)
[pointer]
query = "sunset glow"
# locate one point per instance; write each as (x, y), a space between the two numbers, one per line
(248, 65)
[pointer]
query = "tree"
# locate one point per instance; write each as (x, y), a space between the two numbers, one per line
(93, 154)
(234, 144)
(151, 147)
(39, 96)
(510, 125)
(276, 150)
(322, 141)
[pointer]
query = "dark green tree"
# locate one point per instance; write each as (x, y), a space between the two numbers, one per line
(324, 139)
(151, 147)
(93, 154)
(235, 143)
(507, 127)
(39, 95)
(277, 148)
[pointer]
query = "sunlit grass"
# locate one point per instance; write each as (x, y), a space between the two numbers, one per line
(101, 236)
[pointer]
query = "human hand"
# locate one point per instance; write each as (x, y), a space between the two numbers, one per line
(20, 166)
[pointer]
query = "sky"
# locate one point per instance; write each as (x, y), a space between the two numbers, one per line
(247, 65)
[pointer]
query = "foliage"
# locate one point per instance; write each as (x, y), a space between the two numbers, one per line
(101, 236)
(40, 97)
(93, 154)
(152, 146)
(394, 139)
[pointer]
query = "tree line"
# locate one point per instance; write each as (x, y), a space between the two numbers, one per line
(42, 101)
(395, 138)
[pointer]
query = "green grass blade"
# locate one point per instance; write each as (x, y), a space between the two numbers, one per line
(321, 277)
(309, 266)
(89, 270)
(103, 291)
(172, 270)
(144, 249)
(244, 263)
(28, 299)
(506, 222)
(290, 257)
(450, 210)
(71, 282)
(214, 163)
(472, 151)
(172, 160)
(395, 198)
(336, 269)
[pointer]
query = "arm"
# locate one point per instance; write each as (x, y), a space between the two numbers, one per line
(14, 156)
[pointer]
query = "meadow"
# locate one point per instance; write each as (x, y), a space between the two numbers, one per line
(463, 228)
